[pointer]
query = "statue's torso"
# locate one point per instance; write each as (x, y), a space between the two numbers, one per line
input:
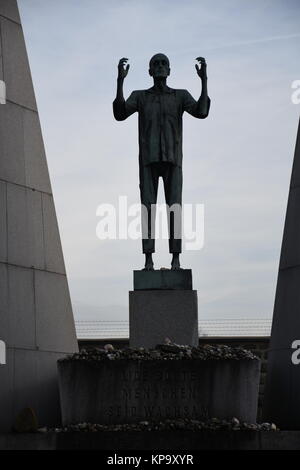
(160, 126)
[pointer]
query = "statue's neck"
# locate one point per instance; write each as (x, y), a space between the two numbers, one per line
(160, 83)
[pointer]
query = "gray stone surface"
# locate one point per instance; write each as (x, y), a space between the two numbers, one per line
(1, 61)
(4, 313)
(295, 178)
(25, 227)
(54, 313)
(36, 169)
(287, 301)
(30, 441)
(157, 314)
(53, 251)
(6, 391)
(9, 9)
(48, 410)
(12, 165)
(281, 402)
(290, 252)
(35, 223)
(162, 440)
(128, 391)
(3, 226)
(282, 376)
(36, 319)
(33, 235)
(21, 313)
(15, 64)
(20, 135)
(163, 279)
(25, 381)
(17, 226)
(37, 370)
(28, 371)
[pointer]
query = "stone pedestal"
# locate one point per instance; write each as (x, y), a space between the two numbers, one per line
(163, 305)
(163, 279)
(129, 391)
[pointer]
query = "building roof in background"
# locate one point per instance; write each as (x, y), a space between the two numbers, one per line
(225, 327)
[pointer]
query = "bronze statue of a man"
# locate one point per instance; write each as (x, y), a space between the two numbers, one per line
(160, 111)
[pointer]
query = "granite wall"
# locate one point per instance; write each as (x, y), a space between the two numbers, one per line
(36, 319)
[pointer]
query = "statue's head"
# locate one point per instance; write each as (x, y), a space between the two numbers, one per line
(159, 66)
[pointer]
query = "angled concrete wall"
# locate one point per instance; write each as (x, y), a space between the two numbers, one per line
(36, 320)
(282, 394)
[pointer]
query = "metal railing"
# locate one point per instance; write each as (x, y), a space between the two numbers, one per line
(225, 327)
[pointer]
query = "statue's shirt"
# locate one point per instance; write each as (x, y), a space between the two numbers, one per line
(160, 122)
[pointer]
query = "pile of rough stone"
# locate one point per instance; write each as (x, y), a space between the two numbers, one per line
(166, 351)
(185, 424)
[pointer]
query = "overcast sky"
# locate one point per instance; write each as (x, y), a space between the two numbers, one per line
(237, 162)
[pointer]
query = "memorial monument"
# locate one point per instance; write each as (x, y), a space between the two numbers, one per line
(281, 402)
(156, 378)
(162, 304)
(36, 320)
(173, 381)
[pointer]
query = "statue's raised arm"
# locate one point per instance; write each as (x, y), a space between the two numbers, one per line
(122, 74)
(119, 104)
(122, 70)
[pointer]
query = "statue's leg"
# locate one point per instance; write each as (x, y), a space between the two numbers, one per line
(175, 263)
(173, 193)
(148, 192)
(149, 265)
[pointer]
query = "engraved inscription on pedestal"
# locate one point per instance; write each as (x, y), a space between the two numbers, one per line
(129, 391)
(164, 394)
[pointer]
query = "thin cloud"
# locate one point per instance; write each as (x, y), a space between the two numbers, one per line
(255, 41)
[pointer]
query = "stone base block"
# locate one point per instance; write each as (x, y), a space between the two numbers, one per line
(129, 391)
(168, 441)
(163, 279)
(158, 314)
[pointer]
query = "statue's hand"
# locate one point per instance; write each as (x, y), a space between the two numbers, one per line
(122, 70)
(201, 71)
